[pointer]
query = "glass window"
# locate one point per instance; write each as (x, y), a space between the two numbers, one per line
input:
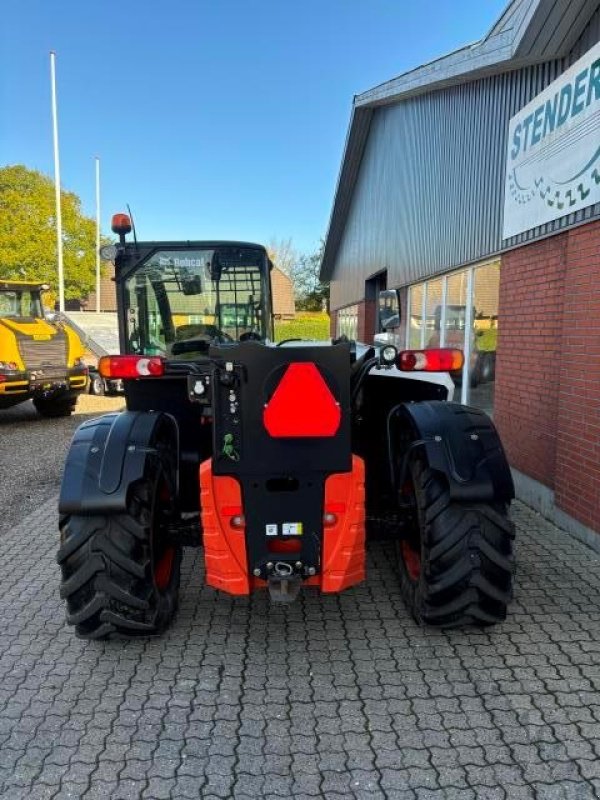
(347, 322)
(431, 323)
(486, 287)
(20, 303)
(196, 297)
(433, 312)
(415, 322)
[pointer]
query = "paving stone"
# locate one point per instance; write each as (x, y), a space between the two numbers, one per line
(336, 697)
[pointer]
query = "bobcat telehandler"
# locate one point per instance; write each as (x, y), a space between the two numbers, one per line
(276, 459)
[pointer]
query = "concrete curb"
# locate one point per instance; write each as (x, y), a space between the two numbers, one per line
(541, 499)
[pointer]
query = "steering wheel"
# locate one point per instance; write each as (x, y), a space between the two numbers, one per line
(250, 336)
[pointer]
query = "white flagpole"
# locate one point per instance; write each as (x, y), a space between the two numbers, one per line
(59, 241)
(97, 235)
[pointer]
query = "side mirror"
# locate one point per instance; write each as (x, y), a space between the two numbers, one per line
(389, 309)
(191, 286)
(216, 267)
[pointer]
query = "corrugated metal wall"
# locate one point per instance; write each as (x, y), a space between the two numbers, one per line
(430, 191)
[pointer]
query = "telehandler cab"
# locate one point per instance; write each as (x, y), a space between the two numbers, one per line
(275, 458)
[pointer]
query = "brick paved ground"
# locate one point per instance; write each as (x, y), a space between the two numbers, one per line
(334, 697)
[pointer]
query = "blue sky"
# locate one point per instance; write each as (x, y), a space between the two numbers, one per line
(212, 118)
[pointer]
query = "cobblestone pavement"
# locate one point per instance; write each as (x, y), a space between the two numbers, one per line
(333, 697)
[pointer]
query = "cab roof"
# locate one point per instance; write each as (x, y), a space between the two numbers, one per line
(208, 244)
(12, 285)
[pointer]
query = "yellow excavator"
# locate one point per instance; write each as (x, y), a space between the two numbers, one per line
(41, 359)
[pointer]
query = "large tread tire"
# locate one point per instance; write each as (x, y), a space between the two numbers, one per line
(466, 557)
(54, 407)
(108, 571)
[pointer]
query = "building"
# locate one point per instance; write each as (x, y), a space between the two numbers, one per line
(472, 185)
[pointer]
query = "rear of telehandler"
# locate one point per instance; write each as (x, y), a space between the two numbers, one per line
(275, 458)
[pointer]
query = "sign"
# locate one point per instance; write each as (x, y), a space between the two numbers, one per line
(553, 159)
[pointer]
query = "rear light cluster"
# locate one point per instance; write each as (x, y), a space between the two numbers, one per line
(237, 520)
(236, 517)
(131, 366)
(441, 359)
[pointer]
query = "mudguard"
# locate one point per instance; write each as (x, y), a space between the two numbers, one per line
(463, 444)
(110, 453)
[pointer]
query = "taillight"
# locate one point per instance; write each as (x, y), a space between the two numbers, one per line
(330, 517)
(131, 366)
(442, 359)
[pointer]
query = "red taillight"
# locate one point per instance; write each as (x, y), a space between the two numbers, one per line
(443, 359)
(131, 366)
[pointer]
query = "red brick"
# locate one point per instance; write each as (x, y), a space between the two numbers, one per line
(547, 405)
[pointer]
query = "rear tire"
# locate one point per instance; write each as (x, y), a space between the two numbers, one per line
(119, 576)
(487, 368)
(456, 562)
(53, 407)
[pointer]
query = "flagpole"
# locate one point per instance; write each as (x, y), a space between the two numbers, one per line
(97, 235)
(59, 240)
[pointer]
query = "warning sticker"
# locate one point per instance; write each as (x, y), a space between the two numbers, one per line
(291, 529)
(271, 530)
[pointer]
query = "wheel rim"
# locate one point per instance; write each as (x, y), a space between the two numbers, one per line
(412, 560)
(164, 569)
(163, 555)
(410, 547)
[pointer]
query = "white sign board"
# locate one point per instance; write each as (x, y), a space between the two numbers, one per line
(553, 159)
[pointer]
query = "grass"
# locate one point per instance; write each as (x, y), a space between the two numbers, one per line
(306, 325)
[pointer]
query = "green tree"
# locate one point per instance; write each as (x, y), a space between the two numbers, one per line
(282, 254)
(311, 293)
(28, 233)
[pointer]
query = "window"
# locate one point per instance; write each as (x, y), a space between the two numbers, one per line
(442, 310)
(195, 297)
(347, 322)
(486, 286)
(415, 317)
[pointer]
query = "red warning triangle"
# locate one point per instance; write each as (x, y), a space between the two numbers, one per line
(302, 405)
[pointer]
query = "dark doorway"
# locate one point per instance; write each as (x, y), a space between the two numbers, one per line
(373, 285)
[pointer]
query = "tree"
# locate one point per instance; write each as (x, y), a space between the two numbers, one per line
(28, 233)
(282, 254)
(311, 293)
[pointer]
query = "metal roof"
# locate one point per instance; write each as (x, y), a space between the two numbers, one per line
(528, 32)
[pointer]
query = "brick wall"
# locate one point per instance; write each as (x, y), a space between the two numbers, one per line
(284, 304)
(578, 441)
(547, 403)
(108, 295)
(528, 360)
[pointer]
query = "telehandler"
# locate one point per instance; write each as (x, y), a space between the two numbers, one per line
(276, 459)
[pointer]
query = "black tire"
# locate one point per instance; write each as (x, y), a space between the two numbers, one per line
(53, 407)
(476, 371)
(456, 561)
(111, 568)
(487, 368)
(97, 386)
